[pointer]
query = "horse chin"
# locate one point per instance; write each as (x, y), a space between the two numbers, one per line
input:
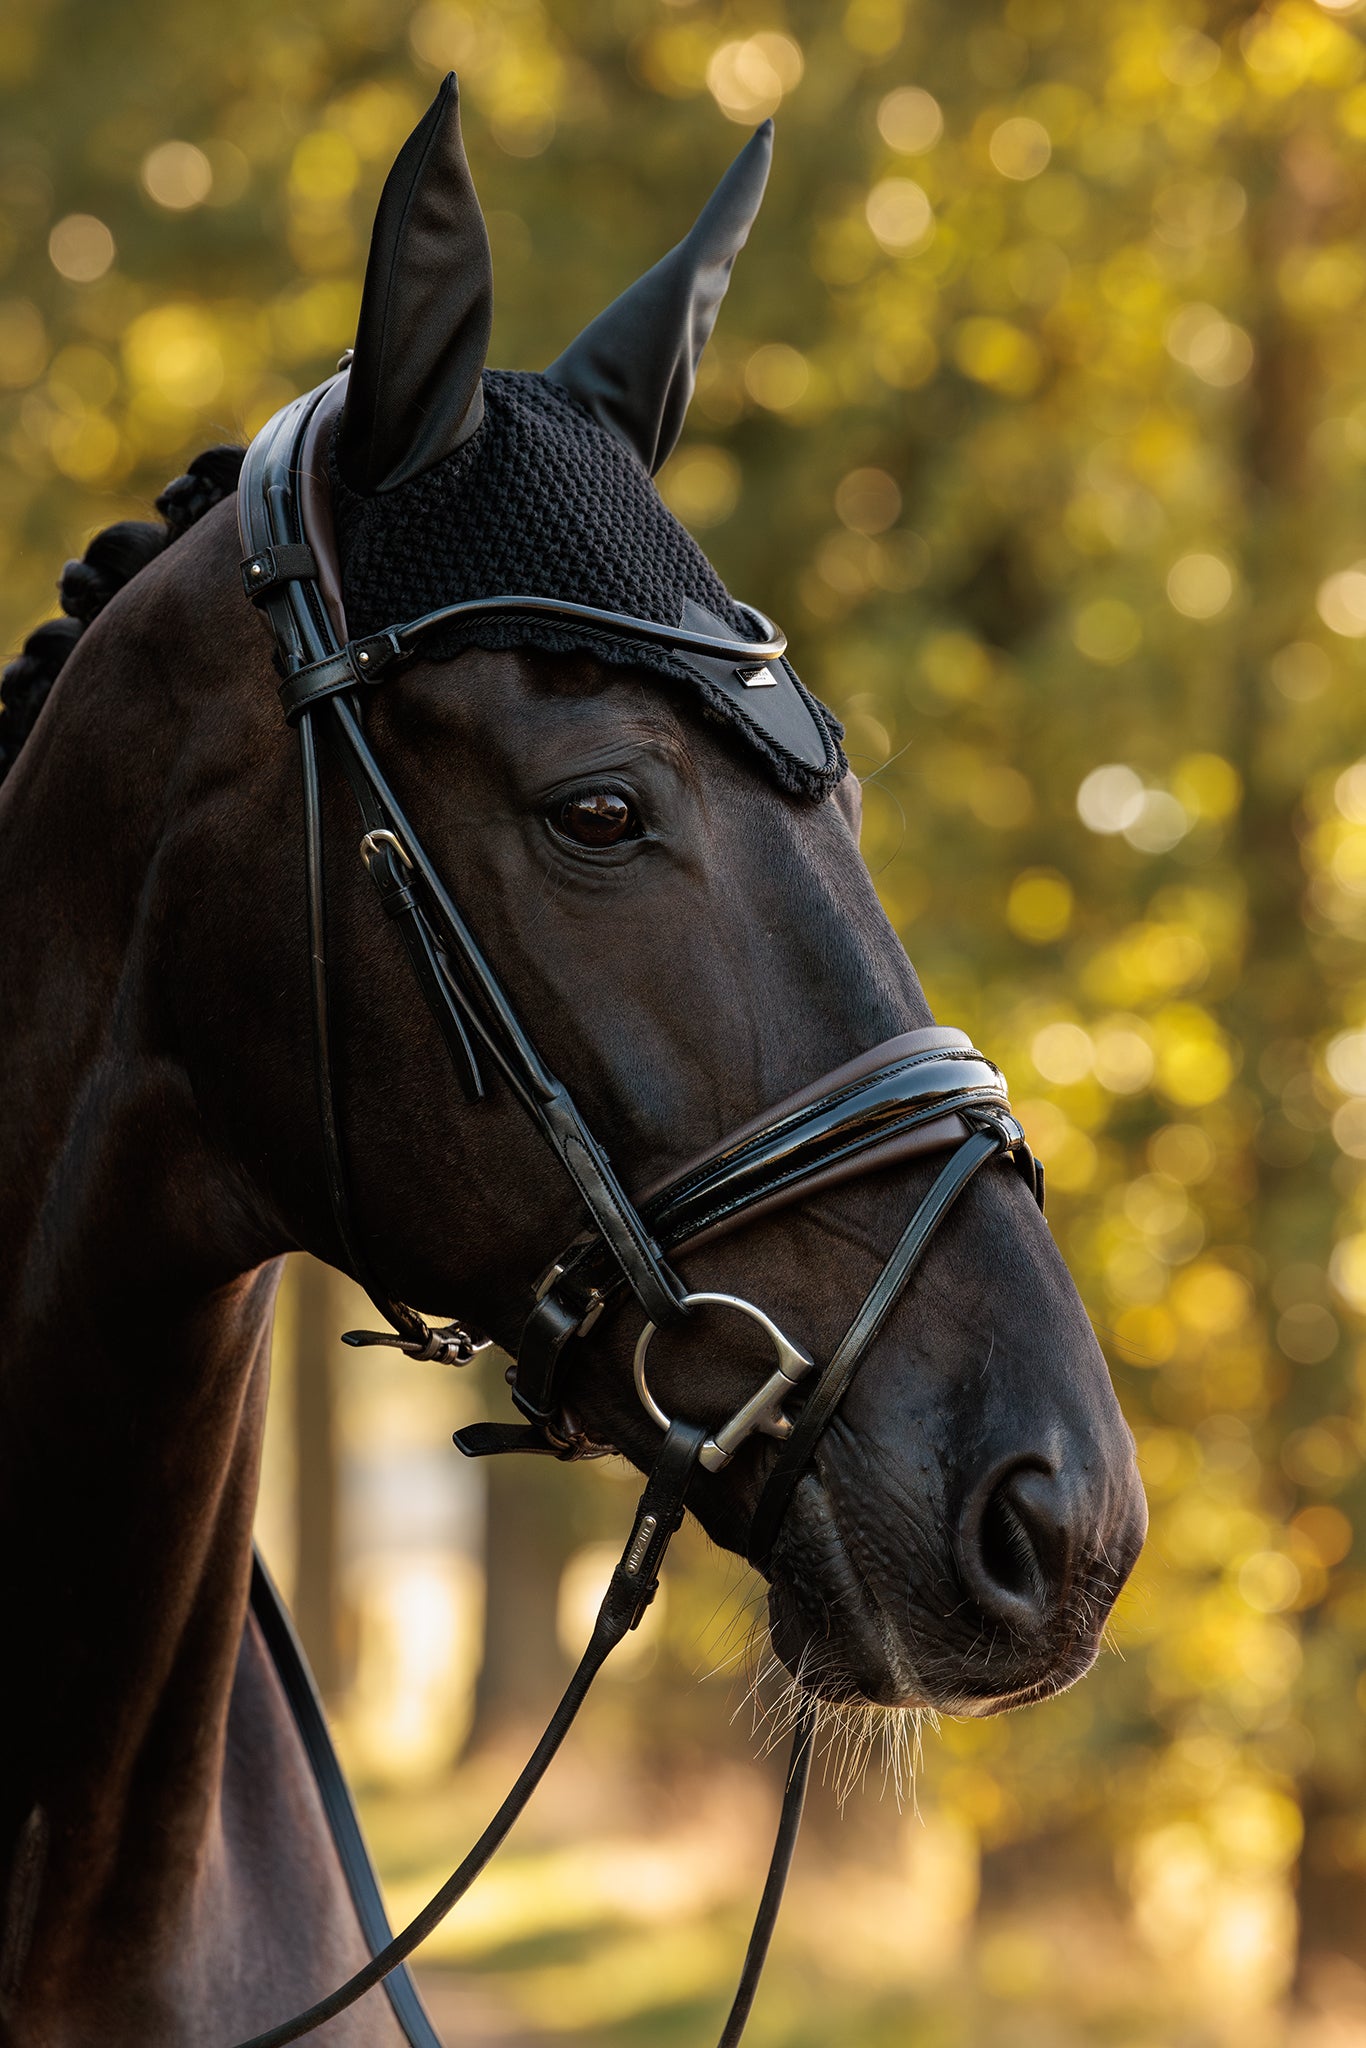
(834, 1630)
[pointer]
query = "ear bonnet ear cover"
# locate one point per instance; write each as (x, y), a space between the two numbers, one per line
(634, 367)
(414, 393)
(514, 485)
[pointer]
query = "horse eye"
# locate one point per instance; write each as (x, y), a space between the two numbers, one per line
(599, 818)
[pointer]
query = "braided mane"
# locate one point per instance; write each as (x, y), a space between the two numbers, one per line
(112, 559)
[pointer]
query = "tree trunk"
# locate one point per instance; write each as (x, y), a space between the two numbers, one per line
(529, 1535)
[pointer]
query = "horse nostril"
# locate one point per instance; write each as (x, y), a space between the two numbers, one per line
(1007, 1555)
(1016, 1544)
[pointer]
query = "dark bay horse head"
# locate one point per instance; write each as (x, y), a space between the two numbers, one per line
(670, 891)
(667, 880)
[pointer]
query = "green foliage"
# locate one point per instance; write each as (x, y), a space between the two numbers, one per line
(1036, 413)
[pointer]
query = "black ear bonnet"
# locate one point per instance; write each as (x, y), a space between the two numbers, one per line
(540, 500)
(451, 482)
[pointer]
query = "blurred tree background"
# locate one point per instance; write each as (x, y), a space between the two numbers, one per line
(1037, 412)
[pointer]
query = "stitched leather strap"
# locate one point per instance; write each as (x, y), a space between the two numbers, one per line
(399, 901)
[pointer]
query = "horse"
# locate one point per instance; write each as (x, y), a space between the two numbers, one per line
(654, 852)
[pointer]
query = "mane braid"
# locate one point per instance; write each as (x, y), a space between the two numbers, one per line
(112, 559)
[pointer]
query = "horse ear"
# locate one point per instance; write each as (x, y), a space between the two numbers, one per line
(414, 392)
(635, 365)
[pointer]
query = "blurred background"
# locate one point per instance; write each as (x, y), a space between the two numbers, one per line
(1037, 413)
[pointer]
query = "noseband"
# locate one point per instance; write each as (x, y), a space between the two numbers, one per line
(925, 1092)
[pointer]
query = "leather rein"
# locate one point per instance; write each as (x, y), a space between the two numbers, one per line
(924, 1092)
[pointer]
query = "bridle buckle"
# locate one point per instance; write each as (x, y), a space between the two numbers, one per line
(373, 841)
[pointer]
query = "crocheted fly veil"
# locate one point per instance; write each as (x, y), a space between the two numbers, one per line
(452, 482)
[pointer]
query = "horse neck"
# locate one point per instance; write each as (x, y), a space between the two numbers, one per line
(135, 1314)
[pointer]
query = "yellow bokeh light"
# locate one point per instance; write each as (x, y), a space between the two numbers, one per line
(325, 167)
(868, 501)
(1326, 1530)
(1039, 906)
(874, 27)
(1020, 148)
(701, 485)
(174, 351)
(1194, 1059)
(777, 377)
(1062, 1053)
(1269, 1582)
(1207, 786)
(1000, 796)
(177, 175)
(87, 449)
(1211, 1299)
(749, 79)
(1124, 1057)
(444, 36)
(998, 354)
(1347, 1269)
(900, 215)
(82, 378)
(23, 344)
(1219, 352)
(956, 666)
(1182, 1151)
(1341, 602)
(910, 120)
(81, 248)
(1107, 631)
(1200, 585)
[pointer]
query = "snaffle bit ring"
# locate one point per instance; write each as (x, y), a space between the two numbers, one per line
(762, 1411)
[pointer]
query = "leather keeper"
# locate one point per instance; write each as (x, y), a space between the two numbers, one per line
(286, 562)
(359, 663)
(395, 899)
(545, 1334)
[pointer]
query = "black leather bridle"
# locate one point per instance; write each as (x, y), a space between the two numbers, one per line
(926, 1091)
